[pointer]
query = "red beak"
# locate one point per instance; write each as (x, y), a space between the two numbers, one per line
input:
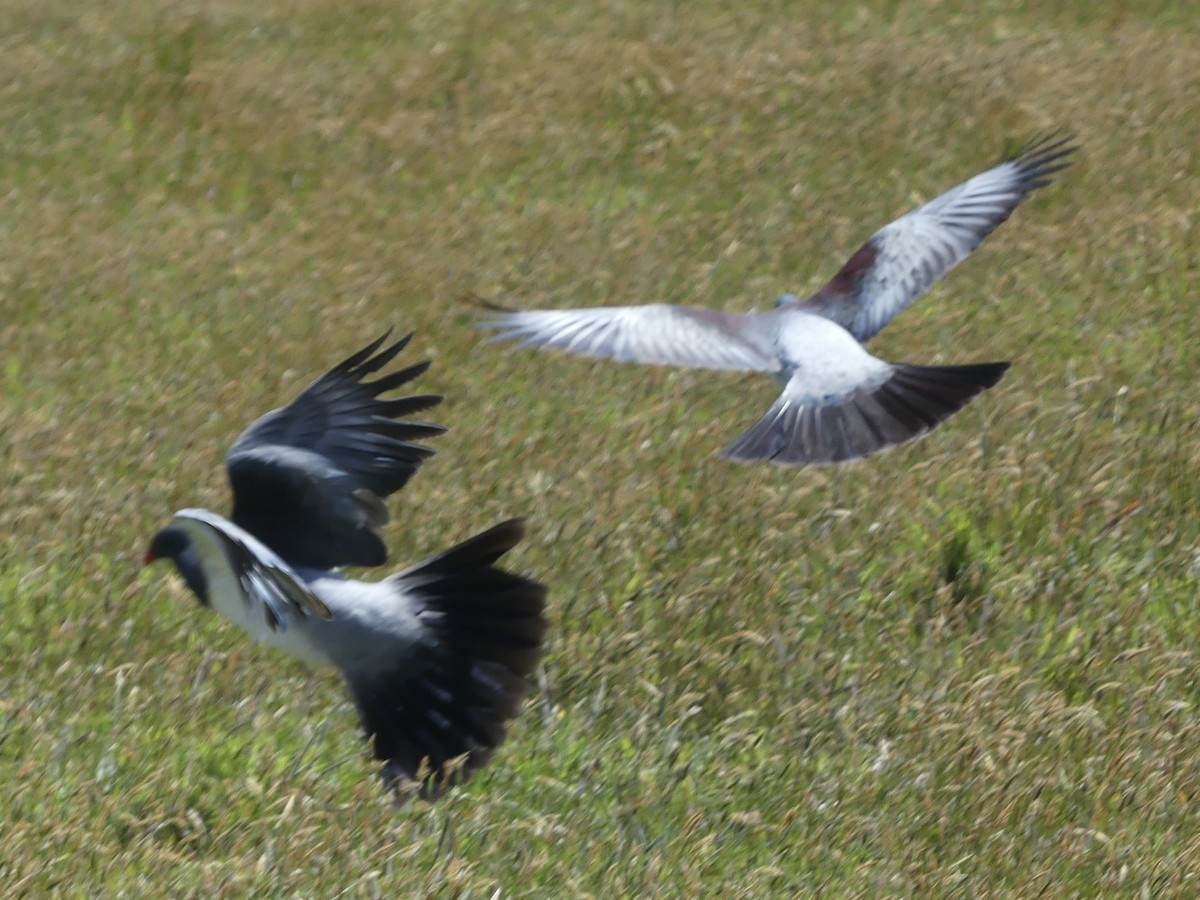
(148, 558)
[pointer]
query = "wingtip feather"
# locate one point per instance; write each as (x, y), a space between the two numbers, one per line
(290, 469)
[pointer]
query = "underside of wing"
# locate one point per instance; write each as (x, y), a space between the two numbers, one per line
(901, 260)
(309, 480)
(658, 334)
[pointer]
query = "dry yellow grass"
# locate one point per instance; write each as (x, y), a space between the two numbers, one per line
(965, 667)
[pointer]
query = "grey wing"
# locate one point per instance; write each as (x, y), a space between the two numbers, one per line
(309, 480)
(657, 334)
(901, 260)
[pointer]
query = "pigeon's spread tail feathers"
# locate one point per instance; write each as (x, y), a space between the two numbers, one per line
(911, 402)
(436, 723)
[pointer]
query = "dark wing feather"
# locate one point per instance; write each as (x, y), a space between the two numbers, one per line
(913, 400)
(309, 480)
(487, 626)
(901, 260)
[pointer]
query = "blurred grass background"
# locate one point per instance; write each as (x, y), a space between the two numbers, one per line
(966, 667)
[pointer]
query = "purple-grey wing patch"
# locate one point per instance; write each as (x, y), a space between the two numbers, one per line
(901, 260)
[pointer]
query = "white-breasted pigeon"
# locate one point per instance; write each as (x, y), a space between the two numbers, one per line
(436, 656)
(839, 402)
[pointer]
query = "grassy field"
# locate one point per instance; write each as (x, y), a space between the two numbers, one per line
(966, 667)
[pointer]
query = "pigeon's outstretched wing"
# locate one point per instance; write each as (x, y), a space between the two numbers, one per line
(658, 334)
(309, 480)
(901, 260)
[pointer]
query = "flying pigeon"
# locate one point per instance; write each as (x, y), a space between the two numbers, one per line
(436, 656)
(838, 402)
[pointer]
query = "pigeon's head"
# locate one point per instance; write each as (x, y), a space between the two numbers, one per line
(786, 300)
(169, 543)
(175, 544)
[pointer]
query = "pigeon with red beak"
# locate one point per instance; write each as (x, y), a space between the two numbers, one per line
(436, 656)
(838, 402)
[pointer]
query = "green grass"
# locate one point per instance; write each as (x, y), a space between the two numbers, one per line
(965, 667)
